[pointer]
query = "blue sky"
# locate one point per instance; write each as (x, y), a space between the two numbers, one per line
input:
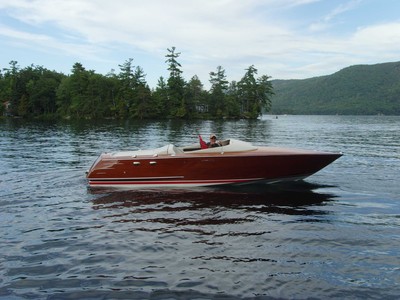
(284, 39)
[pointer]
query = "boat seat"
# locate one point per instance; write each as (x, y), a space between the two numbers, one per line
(224, 142)
(196, 146)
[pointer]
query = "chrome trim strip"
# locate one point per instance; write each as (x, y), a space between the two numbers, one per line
(136, 178)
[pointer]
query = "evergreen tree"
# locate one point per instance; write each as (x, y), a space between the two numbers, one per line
(29, 91)
(248, 91)
(254, 94)
(196, 97)
(232, 101)
(125, 93)
(100, 96)
(63, 97)
(176, 84)
(42, 92)
(142, 103)
(265, 92)
(160, 98)
(219, 87)
(10, 86)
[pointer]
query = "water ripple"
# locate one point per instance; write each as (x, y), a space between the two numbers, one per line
(333, 236)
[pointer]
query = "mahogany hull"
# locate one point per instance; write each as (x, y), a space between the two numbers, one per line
(190, 170)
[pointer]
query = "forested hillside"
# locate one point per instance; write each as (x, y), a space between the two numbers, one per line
(359, 90)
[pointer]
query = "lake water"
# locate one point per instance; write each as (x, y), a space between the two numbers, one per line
(336, 235)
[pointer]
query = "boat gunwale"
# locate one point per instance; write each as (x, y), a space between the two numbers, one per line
(259, 152)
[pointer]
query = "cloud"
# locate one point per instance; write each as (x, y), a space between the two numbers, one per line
(380, 36)
(233, 34)
(47, 44)
(325, 22)
(198, 28)
(381, 40)
(342, 8)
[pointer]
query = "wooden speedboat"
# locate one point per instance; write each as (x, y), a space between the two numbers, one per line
(235, 162)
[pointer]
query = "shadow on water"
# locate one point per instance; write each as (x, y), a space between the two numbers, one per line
(294, 198)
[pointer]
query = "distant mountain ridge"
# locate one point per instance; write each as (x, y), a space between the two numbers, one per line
(358, 90)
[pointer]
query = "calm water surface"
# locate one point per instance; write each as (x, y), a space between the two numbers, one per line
(336, 235)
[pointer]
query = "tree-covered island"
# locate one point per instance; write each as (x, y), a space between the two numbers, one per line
(36, 92)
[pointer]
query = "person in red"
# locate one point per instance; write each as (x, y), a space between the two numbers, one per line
(213, 141)
(203, 144)
(211, 144)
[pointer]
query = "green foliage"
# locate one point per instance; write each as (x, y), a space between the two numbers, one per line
(196, 98)
(357, 90)
(176, 84)
(159, 99)
(254, 93)
(31, 91)
(35, 92)
(219, 87)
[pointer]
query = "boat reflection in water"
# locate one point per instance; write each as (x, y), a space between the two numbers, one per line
(293, 198)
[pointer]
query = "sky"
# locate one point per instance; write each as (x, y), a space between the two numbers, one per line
(283, 39)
